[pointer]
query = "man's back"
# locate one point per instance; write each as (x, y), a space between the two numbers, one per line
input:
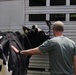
(61, 56)
(61, 51)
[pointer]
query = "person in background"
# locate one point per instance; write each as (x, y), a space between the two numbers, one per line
(61, 51)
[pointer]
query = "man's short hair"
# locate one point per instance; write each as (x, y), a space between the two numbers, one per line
(58, 26)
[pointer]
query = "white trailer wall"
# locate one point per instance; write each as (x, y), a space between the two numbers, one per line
(11, 15)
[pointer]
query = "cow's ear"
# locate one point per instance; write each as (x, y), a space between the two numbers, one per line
(25, 29)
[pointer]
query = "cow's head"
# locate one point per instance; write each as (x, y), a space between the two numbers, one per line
(35, 36)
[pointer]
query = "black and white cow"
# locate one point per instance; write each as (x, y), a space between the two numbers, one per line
(18, 64)
(3, 54)
(35, 36)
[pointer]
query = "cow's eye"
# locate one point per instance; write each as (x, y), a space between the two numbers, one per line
(0, 67)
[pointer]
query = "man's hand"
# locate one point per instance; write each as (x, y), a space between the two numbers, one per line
(33, 51)
(15, 49)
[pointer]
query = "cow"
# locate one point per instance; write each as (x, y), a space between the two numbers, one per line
(17, 63)
(3, 54)
(35, 36)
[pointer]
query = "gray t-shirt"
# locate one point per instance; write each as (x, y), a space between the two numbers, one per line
(61, 51)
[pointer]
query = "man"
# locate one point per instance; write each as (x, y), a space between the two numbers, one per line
(61, 50)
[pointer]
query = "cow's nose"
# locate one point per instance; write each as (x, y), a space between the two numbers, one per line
(0, 67)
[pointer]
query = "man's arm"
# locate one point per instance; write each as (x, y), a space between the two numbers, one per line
(33, 51)
(74, 64)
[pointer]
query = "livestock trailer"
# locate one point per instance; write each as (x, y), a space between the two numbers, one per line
(37, 12)
(16, 13)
